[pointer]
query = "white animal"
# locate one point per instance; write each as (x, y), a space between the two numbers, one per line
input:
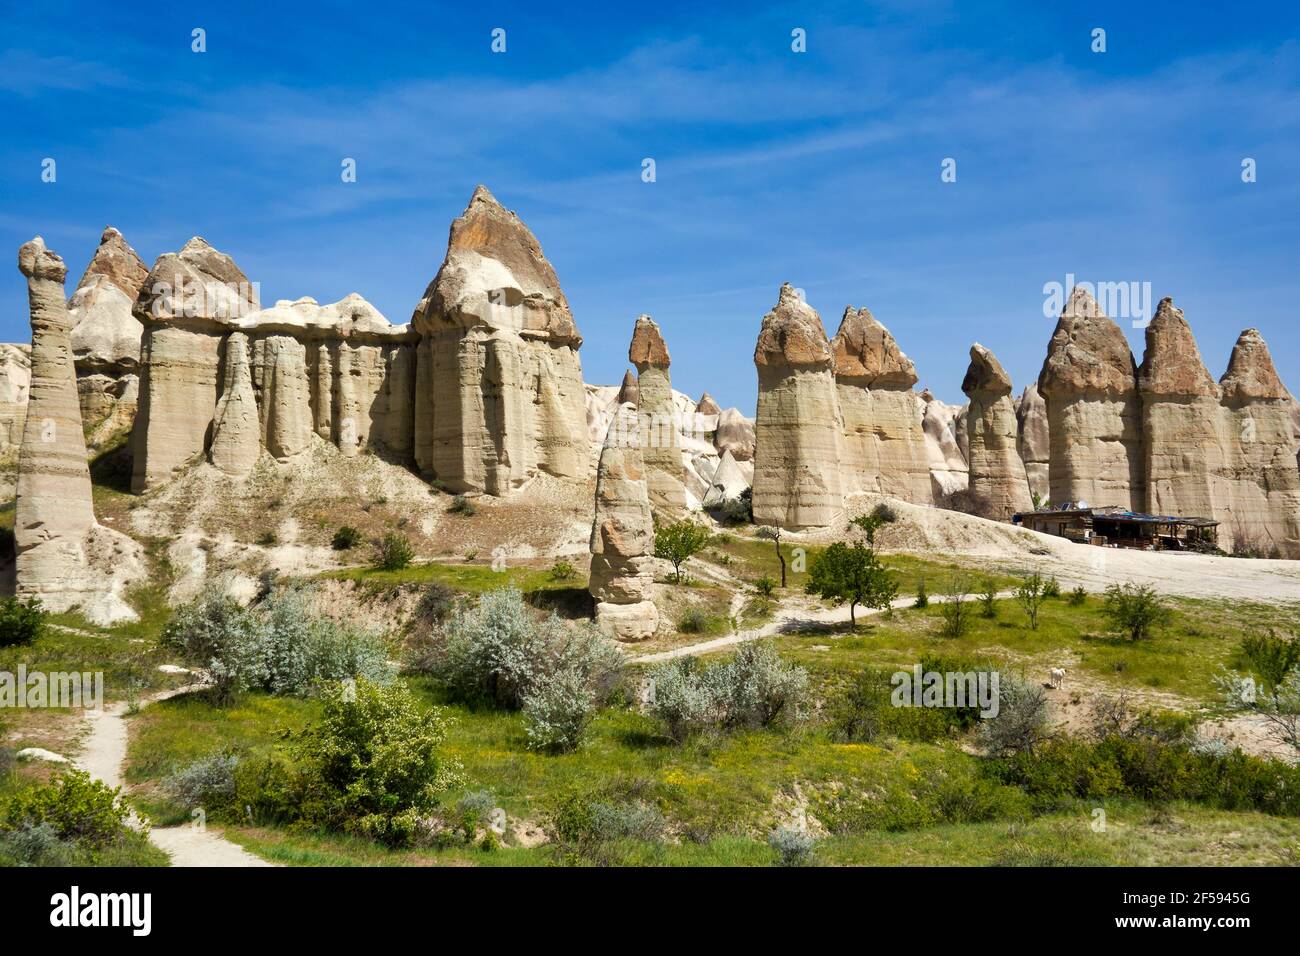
(1057, 677)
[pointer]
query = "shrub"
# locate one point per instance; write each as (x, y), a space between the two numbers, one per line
(955, 611)
(922, 596)
(1078, 597)
(268, 539)
(682, 701)
(735, 511)
(765, 586)
(871, 523)
(793, 847)
(1271, 657)
(460, 505)
(208, 782)
(678, 542)
(372, 765)
(578, 674)
(754, 688)
(584, 825)
(562, 571)
(1021, 721)
(1052, 587)
(1030, 595)
(1134, 610)
(865, 711)
(393, 552)
(75, 807)
(21, 622)
(693, 621)
(279, 646)
(346, 538)
(34, 844)
(988, 599)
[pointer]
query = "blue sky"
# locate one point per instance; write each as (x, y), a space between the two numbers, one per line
(820, 168)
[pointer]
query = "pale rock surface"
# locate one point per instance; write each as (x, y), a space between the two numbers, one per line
(622, 535)
(998, 485)
(660, 419)
(498, 384)
(235, 441)
(727, 482)
(799, 431)
(63, 556)
(1033, 440)
(1183, 422)
(735, 434)
(1089, 382)
(15, 383)
(949, 473)
(1263, 497)
(884, 442)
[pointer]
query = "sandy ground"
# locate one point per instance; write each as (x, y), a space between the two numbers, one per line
(103, 755)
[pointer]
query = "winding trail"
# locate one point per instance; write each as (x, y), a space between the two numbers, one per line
(103, 756)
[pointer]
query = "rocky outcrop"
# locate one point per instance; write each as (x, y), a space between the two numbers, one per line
(236, 444)
(1182, 420)
(735, 434)
(63, 556)
(660, 421)
(884, 444)
(106, 335)
(622, 535)
(1033, 441)
(727, 483)
(628, 393)
(498, 384)
(998, 486)
(1089, 382)
(798, 429)
(949, 473)
(1262, 508)
(15, 383)
(707, 406)
(186, 303)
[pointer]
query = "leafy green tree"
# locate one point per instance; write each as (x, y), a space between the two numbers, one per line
(854, 574)
(879, 516)
(679, 541)
(21, 622)
(1134, 609)
(1030, 595)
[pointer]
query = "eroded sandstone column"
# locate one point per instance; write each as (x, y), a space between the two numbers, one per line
(798, 428)
(661, 448)
(622, 534)
(235, 441)
(884, 444)
(1033, 441)
(1089, 382)
(998, 483)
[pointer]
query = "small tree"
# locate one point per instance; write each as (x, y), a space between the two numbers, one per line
(393, 552)
(1030, 595)
(851, 573)
(679, 541)
(988, 597)
(1134, 609)
(773, 534)
(1021, 721)
(879, 516)
(21, 622)
(922, 595)
(956, 611)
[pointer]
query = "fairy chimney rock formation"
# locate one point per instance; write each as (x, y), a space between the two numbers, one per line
(998, 483)
(622, 534)
(235, 442)
(884, 444)
(660, 445)
(1262, 510)
(707, 406)
(627, 392)
(106, 335)
(1089, 382)
(498, 384)
(798, 427)
(727, 483)
(63, 556)
(1182, 420)
(1033, 441)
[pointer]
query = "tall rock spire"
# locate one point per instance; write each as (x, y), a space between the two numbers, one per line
(661, 446)
(997, 475)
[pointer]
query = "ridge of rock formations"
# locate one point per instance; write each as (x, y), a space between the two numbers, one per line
(1089, 382)
(942, 425)
(106, 335)
(498, 383)
(1033, 440)
(660, 422)
(63, 556)
(884, 442)
(998, 485)
(622, 534)
(799, 430)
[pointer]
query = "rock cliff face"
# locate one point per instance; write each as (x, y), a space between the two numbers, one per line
(1182, 420)
(1033, 441)
(622, 535)
(106, 335)
(1089, 382)
(998, 485)
(498, 383)
(660, 423)
(735, 434)
(884, 444)
(799, 428)
(15, 383)
(942, 424)
(63, 556)
(1262, 510)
